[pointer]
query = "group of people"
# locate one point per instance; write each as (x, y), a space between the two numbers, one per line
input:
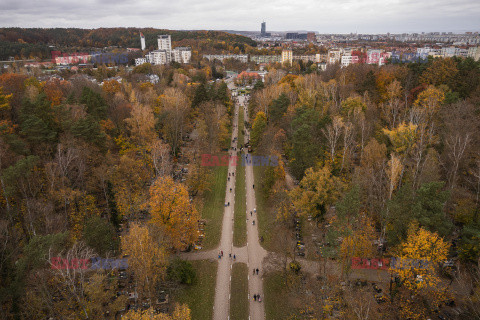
(256, 297)
(220, 255)
(255, 271)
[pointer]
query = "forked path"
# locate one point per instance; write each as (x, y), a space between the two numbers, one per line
(252, 254)
(256, 253)
(221, 307)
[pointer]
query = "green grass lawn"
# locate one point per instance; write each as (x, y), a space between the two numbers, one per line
(265, 216)
(200, 296)
(276, 302)
(212, 210)
(240, 223)
(239, 292)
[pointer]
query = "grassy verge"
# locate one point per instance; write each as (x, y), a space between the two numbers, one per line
(212, 210)
(265, 217)
(200, 296)
(276, 302)
(240, 223)
(239, 291)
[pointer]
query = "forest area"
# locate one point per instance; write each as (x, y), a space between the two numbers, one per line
(31, 43)
(103, 173)
(385, 164)
(377, 163)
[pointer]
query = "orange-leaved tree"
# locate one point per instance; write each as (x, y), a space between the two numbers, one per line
(173, 213)
(420, 288)
(146, 257)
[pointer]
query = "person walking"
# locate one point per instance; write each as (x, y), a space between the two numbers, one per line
(254, 297)
(222, 256)
(253, 271)
(234, 257)
(257, 271)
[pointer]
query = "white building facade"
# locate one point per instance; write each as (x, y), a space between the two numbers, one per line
(165, 54)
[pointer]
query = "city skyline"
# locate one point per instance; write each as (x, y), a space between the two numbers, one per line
(366, 16)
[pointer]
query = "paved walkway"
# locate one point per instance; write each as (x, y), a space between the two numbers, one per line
(253, 254)
(221, 308)
(256, 253)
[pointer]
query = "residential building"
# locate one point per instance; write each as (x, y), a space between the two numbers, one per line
(287, 56)
(305, 58)
(158, 57)
(165, 54)
(348, 59)
(165, 43)
(221, 57)
(291, 35)
(374, 56)
(266, 59)
(182, 55)
(474, 52)
(140, 61)
(334, 56)
(449, 52)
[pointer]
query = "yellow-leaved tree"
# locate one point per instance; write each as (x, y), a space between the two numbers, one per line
(316, 192)
(359, 241)
(146, 256)
(402, 137)
(430, 100)
(420, 289)
(181, 312)
(173, 213)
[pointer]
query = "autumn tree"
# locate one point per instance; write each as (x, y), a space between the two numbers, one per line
(316, 192)
(147, 257)
(421, 289)
(142, 125)
(173, 213)
(181, 312)
(174, 113)
(441, 71)
(258, 127)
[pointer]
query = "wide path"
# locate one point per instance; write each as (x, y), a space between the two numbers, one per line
(221, 308)
(256, 253)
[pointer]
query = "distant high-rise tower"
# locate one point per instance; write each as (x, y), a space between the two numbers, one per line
(142, 41)
(264, 29)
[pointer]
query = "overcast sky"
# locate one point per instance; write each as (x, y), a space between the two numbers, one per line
(333, 16)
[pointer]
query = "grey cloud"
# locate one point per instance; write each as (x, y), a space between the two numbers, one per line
(367, 16)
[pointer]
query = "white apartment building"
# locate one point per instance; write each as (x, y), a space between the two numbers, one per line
(348, 59)
(220, 57)
(305, 58)
(158, 57)
(140, 61)
(474, 52)
(182, 54)
(165, 54)
(449, 52)
(334, 56)
(287, 56)
(375, 56)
